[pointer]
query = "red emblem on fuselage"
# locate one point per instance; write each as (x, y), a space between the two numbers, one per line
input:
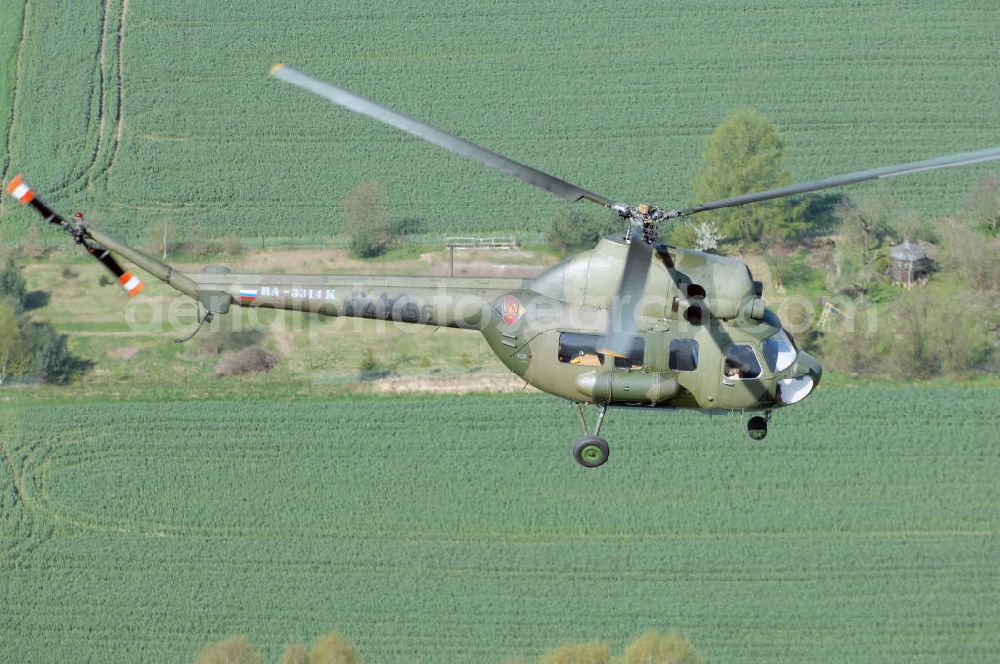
(511, 310)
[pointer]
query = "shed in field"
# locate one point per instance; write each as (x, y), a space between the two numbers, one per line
(908, 263)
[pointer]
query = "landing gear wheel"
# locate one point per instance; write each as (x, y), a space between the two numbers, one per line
(591, 451)
(757, 427)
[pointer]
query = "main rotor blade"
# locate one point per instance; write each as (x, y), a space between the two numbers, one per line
(431, 134)
(622, 326)
(961, 159)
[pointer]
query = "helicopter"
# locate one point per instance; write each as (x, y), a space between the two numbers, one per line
(631, 323)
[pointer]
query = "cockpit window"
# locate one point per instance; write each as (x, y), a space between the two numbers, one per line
(683, 355)
(741, 362)
(779, 351)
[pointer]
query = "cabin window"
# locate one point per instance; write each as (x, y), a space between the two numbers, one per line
(636, 355)
(741, 362)
(683, 355)
(779, 351)
(580, 349)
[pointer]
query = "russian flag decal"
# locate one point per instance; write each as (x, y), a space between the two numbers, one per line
(248, 294)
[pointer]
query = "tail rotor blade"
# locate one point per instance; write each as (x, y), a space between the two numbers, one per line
(131, 283)
(20, 190)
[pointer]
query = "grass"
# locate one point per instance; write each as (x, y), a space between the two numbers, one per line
(10, 39)
(208, 140)
(459, 529)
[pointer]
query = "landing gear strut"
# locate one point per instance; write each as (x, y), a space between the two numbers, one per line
(757, 426)
(591, 450)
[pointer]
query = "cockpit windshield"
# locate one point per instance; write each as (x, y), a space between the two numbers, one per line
(779, 351)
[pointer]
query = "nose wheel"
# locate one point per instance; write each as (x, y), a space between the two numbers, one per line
(757, 427)
(591, 450)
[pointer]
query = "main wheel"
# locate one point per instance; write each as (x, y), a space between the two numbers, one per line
(757, 427)
(591, 451)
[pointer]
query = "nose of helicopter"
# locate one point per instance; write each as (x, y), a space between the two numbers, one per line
(805, 375)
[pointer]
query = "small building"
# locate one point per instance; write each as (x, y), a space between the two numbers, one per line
(908, 263)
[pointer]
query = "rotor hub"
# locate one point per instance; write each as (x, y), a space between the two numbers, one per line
(643, 220)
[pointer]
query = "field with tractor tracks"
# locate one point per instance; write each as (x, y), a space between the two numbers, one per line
(147, 112)
(459, 529)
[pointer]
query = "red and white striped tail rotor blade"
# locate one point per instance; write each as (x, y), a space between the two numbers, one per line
(20, 190)
(131, 283)
(23, 192)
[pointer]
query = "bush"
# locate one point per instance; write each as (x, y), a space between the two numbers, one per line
(232, 246)
(14, 353)
(295, 654)
(793, 270)
(50, 357)
(851, 348)
(595, 652)
(654, 648)
(234, 650)
(368, 361)
(12, 286)
(972, 256)
(333, 649)
(246, 361)
(982, 204)
(368, 244)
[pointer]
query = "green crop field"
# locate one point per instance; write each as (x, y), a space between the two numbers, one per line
(460, 530)
(143, 111)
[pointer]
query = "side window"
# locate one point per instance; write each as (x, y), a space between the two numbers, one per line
(683, 355)
(580, 349)
(741, 362)
(636, 355)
